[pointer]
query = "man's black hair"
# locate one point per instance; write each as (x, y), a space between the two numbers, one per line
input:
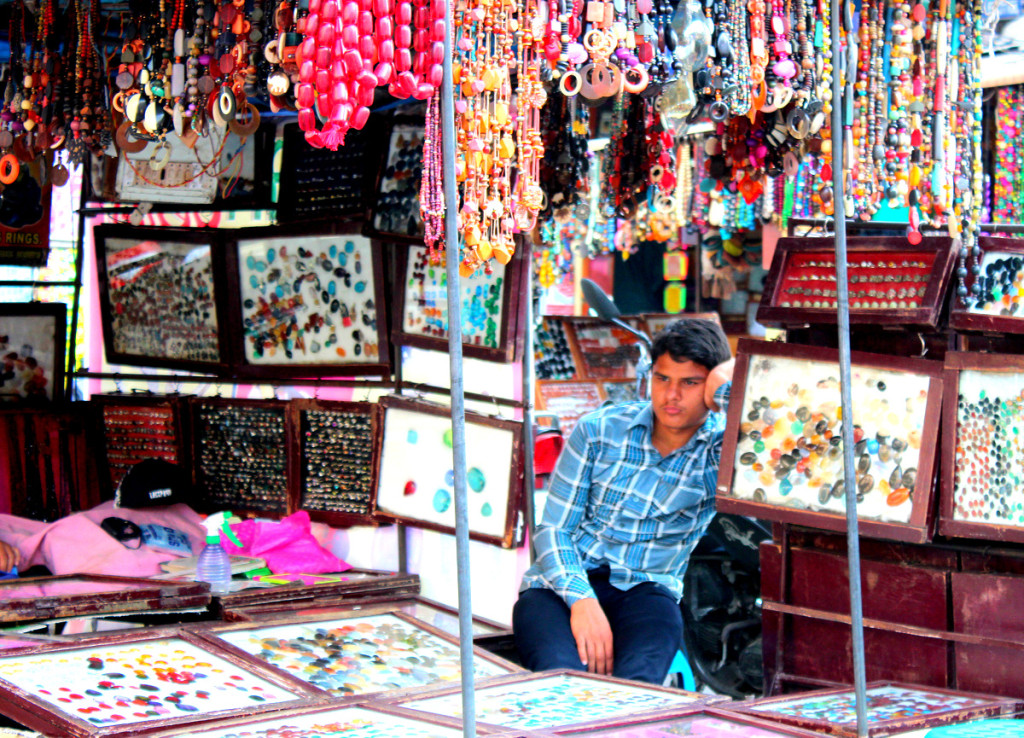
(693, 339)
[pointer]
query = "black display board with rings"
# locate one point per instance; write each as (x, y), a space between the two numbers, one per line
(395, 212)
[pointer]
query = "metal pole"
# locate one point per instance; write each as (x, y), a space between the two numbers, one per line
(76, 302)
(843, 297)
(453, 251)
(529, 489)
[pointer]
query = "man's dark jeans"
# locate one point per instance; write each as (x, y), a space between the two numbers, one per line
(645, 620)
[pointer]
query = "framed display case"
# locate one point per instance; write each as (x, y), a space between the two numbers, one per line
(119, 684)
(892, 707)
(553, 700)
(160, 297)
(356, 654)
(139, 427)
(997, 306)
(243, 451)
(433, 613)
(352, 583)
(618, 392)
(491, 306)
(981, 494)
(306, 303)
(75, 595)
(27, 640)
(782, 451)
(32, 338)
(416, 482)
(552, 354)
(890, 283)
(702, 721)
(657, 322)
(338, 449)
(569, 400)
(333, 721)
(396, 206)
(603, 350)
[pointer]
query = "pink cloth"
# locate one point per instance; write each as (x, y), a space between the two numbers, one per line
(77, 544)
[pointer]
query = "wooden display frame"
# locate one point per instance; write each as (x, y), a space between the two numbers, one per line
(45, 358)
(949, 524)
(612, 726)
(510, 528)
(917, 528)
(482, 627)
(963, 320)
(569, 399)
(278, 505)
(877, 728)
(248, 280)
(135, 408)
(509, 337)
(214, 633)
(36, 714)
(662, 700)
(162, 352)
(654, 323)
(388, 188)
(614, 348)
(293, 716)
(42, 599)
(793, 258)
(299, 409)
(353, 583)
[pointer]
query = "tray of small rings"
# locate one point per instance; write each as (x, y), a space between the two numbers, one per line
(884, 284)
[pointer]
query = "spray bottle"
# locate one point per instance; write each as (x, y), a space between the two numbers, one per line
(214, 564)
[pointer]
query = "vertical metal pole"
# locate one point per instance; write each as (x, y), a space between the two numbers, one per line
(453, 251)
(69, 375)
(529, 490)
(843, 295)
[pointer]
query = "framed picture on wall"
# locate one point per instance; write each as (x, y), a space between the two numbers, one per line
(570, 400)
(306, 304)
(160, 298)
(981, 496)
(491, 305)
(782, 452)
(994, 298)
(416, 481)
(604, 350)
(32, 338)
(396, 207)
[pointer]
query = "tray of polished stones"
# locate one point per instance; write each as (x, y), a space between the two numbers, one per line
(887, 283)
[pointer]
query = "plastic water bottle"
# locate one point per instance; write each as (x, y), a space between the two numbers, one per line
(214, 564)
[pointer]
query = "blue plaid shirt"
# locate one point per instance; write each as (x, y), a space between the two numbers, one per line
(615, 501)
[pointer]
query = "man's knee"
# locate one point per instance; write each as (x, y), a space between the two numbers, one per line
(542, 632)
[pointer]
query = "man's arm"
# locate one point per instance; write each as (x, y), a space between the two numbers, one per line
(559, 559)
(716, 378)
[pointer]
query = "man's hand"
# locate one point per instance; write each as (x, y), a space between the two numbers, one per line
(8, 557)
(593, 635)
(716, 378)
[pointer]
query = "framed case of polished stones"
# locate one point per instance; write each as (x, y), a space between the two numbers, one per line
(492, 324)
(139, 427)
(416, 482)
(782, 451)
(396, 207)
(982, 495)
(890, 282)
(306, 304)
(338, 446)
(994, 282)
(160, 297)
(242, 454)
